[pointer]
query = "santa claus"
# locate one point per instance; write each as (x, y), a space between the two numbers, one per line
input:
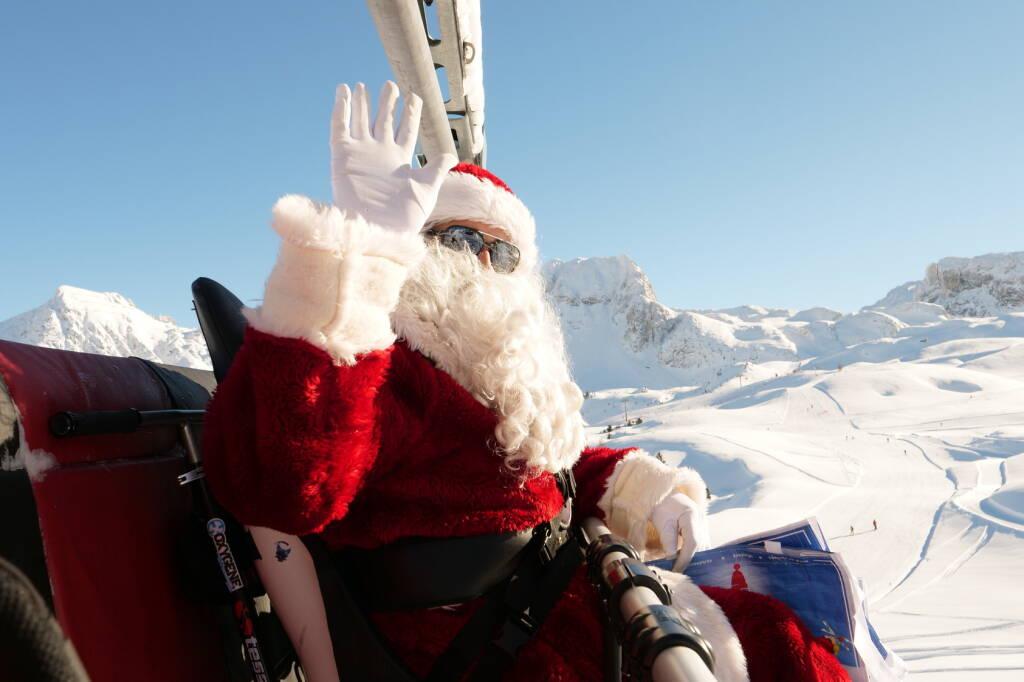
(405, 378)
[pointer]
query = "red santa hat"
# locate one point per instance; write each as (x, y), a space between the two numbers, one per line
(474, 193)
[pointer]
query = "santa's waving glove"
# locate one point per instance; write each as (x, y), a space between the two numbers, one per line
(370, 165)
(682, 527)
(341, 267)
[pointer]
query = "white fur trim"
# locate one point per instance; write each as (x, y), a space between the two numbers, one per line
(336, 280)
(37, 463)
(8, 428)
(637, 484)
(465, 196)
(691, 602)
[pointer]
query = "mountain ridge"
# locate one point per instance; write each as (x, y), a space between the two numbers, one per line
(643, 342)
(107, 323)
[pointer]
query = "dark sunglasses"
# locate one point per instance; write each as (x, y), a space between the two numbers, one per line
(504, 256)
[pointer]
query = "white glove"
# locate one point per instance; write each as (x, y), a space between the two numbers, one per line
(682, 527)
(370, 170)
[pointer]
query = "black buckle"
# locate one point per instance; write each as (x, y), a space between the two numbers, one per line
(566, 483)
(556, 533)
(549, 543)
(516, 631)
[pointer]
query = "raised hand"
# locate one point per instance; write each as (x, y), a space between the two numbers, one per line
(371, 172)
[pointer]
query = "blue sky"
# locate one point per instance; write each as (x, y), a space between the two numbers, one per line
(781, 153)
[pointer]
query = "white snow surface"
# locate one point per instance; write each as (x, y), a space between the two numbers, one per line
(107, 324)
(907, 413)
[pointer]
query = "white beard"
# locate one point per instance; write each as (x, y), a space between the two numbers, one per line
(497, 336)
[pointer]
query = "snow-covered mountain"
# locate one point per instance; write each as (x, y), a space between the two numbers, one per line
(645, 343)
(908, 413)
(982, 286)
(108, 324)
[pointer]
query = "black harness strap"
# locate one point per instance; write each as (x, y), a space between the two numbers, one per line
(360, 652)
(521, 624)
(514, 610)
(432, 572)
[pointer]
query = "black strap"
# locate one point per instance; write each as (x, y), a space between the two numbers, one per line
(509, 617)
(359, 650)
(520, 626)
(513, 612)
(424, 573)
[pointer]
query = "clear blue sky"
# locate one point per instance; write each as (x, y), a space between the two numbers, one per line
(782, 153)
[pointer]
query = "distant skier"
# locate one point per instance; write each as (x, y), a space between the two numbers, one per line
(851, 530)
(875, 524)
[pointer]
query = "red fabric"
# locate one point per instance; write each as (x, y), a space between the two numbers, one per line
(393, 448)
(385, 449)
(592, 473)
(43, 381)
(111, 516)
(778, 646)
(482, 174)
(366, 454)
(567, 648)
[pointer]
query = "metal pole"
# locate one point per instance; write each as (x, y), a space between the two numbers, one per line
(673, 664)
(401, 29)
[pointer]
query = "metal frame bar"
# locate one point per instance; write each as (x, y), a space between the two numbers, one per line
(447, 126)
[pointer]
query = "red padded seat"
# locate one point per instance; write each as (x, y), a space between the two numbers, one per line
(111, 515)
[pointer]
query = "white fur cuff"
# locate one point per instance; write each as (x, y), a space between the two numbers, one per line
(692, 604)
(638, 483)
(336, 279)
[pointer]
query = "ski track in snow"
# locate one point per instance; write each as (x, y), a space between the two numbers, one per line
(779, 459)
(887, 466)
(923, 557)
(839, 406)
(912, 419)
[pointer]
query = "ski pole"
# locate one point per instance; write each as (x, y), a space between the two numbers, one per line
(658, 643)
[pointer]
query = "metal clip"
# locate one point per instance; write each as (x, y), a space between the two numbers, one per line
(192, 475)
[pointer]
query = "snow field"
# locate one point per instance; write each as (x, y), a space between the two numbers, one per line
(901, 413)
(930, 444)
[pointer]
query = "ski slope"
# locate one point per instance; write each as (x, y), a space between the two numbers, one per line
(901, 413)
(926, 438)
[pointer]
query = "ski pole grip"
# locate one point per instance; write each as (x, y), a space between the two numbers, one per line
(66, 424)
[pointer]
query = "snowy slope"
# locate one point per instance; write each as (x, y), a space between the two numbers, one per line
(108, 324)
(905, 414)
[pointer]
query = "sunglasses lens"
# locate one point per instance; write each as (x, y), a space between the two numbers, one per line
(458, 238)
(504, 257)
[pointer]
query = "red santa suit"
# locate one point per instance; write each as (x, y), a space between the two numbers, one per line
(328, 423)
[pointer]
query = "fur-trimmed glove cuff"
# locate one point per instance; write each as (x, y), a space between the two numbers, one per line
(336, 279)
(636, 486)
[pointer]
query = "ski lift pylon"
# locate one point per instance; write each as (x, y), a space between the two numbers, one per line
(455, 125)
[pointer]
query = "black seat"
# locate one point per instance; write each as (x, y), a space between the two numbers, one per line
(220, 317)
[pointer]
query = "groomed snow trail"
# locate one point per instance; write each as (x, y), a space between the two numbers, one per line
(921, 447)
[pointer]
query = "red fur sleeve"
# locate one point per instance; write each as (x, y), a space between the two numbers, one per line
(776, 643)
(289, 436)
(592, 472)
